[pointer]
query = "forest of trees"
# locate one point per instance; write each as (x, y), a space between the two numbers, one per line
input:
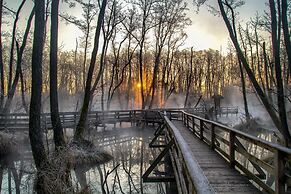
(132, 53)
(134, 45)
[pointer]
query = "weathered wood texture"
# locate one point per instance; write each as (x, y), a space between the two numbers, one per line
(272, 175)
(221, 177)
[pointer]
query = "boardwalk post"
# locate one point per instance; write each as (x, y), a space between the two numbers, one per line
(15, 121)
(193, 124)
(187, 120)
(183, 118)
(212, 136)
(232, 149)
(279, 173)
(201, 129)
(75, 119)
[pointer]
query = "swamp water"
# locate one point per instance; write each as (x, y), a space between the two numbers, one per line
(129, 147)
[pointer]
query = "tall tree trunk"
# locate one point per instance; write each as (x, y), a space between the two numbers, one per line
(286, 32)
(266, 69)
(189, 78)
(76, 71)
(20, 51)
(269, 108)
(54, 105)
(35, 132)
(13, 44)
(141, 75)
(276, 55)
(87, 96)
(24, 103)
(243, 83)
(85, 56)
(2, 86)
(102, 92)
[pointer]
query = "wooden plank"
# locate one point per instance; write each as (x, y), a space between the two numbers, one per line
(222, 178)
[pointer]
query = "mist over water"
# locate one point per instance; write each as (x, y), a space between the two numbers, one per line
(131, 157)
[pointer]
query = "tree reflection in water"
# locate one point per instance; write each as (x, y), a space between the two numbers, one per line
(132, 156)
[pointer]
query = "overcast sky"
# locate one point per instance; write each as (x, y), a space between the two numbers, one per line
(206, 31)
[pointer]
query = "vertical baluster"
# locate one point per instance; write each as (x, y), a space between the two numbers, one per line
(212, 136)
(15, 121)
(201, 129)
(183, 118)
(279, 172)
(75, 119)
(193, 125)
(231, 149)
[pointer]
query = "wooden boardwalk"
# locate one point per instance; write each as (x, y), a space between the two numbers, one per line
(207, 157)
(221, 177)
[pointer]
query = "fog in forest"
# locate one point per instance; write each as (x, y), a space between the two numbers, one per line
(144, 96)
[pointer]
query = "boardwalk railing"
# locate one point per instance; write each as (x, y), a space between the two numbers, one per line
(189, 175)
(69, 119)
(230, 144)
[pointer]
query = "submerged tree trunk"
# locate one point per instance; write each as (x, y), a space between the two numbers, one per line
(35, 132)
(87, 96)
(54, 106)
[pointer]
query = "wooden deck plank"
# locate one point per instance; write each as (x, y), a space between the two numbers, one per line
(221, 177)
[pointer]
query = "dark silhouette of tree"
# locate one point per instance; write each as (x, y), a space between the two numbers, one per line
(20, 51)
(79, 133)
(146, 7)
(169, 18)
(54, 105)
(189, 77)
(279, 120)
(13, 44)
(35, 132)
(2, 86)
(286, 32)
(85, 25)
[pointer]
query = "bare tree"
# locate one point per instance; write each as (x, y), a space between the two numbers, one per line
(35, 132)
(279, 120)
(146, 7)
(189, 78)
(79, 133)
(54, 105)
(85, 25)
(2, 86)
(13, 44)
(169, 18)
(20, 50)
(286, 32)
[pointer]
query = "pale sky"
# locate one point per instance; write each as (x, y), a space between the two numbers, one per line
(206, 31)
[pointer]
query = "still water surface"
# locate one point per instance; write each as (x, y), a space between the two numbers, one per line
(131, 153)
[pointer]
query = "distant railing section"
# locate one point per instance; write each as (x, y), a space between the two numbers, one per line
(271, 176)
(69, 119)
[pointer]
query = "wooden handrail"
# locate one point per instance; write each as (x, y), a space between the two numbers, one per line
(281, 155)
(198, 179)
(268, 145)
